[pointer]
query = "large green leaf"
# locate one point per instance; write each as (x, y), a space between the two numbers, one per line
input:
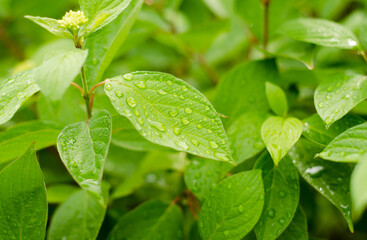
(233, 207)
(329, 178)
(277, 99)
(281, 196)
(358, 188)
(350, 146)
(320, 31)
(152, 220)
(51, 25)
(314, 128)
(104, 46)
(23, 200)
(79, 218)
(14, 92)
(168, 111)
(337, 96)
(58, 70)
(17, 139)
(297, 229)
(279, 135)
(83, 148)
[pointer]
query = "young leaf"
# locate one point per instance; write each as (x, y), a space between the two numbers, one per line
(23, 199)
(58, 70)
(233, 207)
(336, 97)
(52, 26)
(17, 139)
(168, 111)
(328, 178)
(321, 32)
(79, 218)
(350, 146)
(297, 229)
(160, 220)
(83, 148)
(103, 47)
(279, 135)
(100, 13)
(14, 92)
(281, 196)
(277, 99)
(358, 188)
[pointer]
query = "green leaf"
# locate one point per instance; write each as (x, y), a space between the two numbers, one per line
(169, 112)
(358, 189)
(337, 96)
(281, 196)
(154, 219)
(350, 146)
(23, 199)
(14, 92)
(314, 128)
(58, 71)
(100, 13)
(52, 26)
(297, 229)
(103, 47)
(277, 99)
(321, 32)
(83, 148)
(328, 178)
(279, 135)
(203, 175)
(79, 218)
(17, 139)
(59, 193)
(233, 207)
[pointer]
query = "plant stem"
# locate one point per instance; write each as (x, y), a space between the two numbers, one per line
(266, 4)
(86, 93)
(364, 54)
(78, 87)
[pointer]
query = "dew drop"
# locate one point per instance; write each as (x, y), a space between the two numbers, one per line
(329, 121)
(181, 97)
(321, 105)
(73, 164)
(108, 87)
(177, 130)
(140, 121)
(128, 76)
(182, 145)
(188, 110)
(184, 88)
(131, 101)
(199, 126)
(281, 221)
(195, 142)
(119, 94)
(162, 92)
(169, 83)
(137, 113)
(127, 113)
(209, 131)
(271, 213)
(240, 208)
(157, 125)
(315, 171)
(141, 84)
(173, 112)
(213, 144)
(185, 121)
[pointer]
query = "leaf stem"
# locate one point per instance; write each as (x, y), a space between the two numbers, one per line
(98, 85)
(78, 87)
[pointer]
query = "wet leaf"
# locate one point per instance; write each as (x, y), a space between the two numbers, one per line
(297, 229)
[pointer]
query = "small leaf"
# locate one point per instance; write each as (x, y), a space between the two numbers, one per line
(169, 112)
(350, 146)
(233, 207)
(277, 99)
(14, 141)
(52, 26)
(23, 200)
(281, 196)
(297, 229)
(14, 92)
(279, 135)
(358, 189)
(328, 178)
(58, 70)
(337, 96)
(83, 148)
(154, 219)
(321, 32)
(79, 218)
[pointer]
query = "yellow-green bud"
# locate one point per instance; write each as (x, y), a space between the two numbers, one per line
(73, 20)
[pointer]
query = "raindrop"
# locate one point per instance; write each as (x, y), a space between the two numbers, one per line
(131, 101)
(271, 213)
(329, 121)
(108, 87)
(169, 83)
(127, 113)
(199, 126)
(184, 88)
(177, 130)
(195, 142)
(119, 94)
(182, 145)
(141, 84)
(209, 131)
(128, 76)
(188, 110)
(315, 171)
(162, 92)
(240, 208)
(213, 144)
(73, 164)
(182, 97)
(140, 121)
(185, 121)
(158, 125)
(173, 112)
(321, 105)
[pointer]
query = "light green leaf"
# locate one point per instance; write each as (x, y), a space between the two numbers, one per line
(79, 218)
(233, 207)
(100, 13)
(83, 148)
(337, 96)
(52, 26)
(168, 111)
(279, 135)
(16, 140)
(14, 92)
(103, 47)
(281, 196)
(350, 146)
(23, 199)
(277, 99)
(328, 178)
(58, 70)
(154, 219)
(321, 32)
(297, 229)
(358, 188)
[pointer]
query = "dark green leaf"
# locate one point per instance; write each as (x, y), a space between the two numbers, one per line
(297, 229)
